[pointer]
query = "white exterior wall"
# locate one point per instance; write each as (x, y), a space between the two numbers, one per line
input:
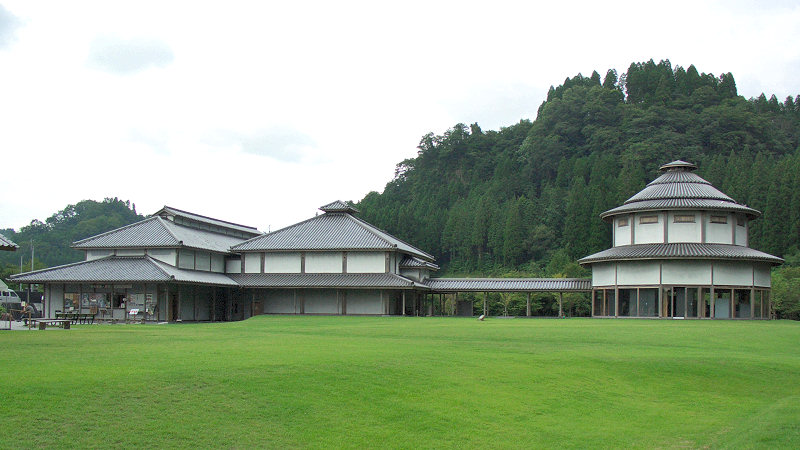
(649, 233)
(761, 275)
(130, 252)
(323, 262)
(55, 299)
(686, 272)
(233, 266)
(217, 263)
(96, 254)
(719, 233)
(741, 235)
(165, 255)
(638, 273)
(281, 301)
(202, 261)
(364, 302)
(603, 274)
(684, 232)
(321, 301)
(366, 262)
(252, 262)
(622, 235)
(282, 262)
(186, 259)
(733, 273)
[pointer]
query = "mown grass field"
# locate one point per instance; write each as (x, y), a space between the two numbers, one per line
(404, 382)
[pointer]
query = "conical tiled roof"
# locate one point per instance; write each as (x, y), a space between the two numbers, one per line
(679, 188)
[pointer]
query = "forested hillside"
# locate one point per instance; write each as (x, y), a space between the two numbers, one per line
(52, 238)
(527, 198)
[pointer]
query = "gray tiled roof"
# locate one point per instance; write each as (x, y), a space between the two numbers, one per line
(7, 244)
(168, 210)
(158, 232)
(325, 280)
(680, 251)
(510, 284)
(679, 188)
(413, 262)
(329, 231)
(119, 269)
(339, 206)
(681, 204)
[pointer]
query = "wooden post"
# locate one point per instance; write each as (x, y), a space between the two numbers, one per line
(178, 316)
(560, 301)
(214, 305)
(528, 309)
(485, 303)
(404, 302)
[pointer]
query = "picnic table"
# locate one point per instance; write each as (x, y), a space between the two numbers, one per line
(43, 322)
(76, 317)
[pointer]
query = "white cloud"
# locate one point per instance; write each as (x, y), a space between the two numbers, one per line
(128, 56)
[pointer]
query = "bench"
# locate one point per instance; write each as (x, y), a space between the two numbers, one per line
(76, 317)
(42, 323)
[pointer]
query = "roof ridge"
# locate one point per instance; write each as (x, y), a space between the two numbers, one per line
(158, 265)
(106, 233)
(163, 223)
(370, 227)
(206, 217)
(48, 269)
(262, 236)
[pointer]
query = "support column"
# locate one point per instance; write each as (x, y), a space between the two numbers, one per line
(560, 302)
(485, 303)
(178, 316)
(404, 303)
(528, 309)
(214, 304)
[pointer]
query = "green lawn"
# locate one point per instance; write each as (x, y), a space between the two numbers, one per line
(404, 382)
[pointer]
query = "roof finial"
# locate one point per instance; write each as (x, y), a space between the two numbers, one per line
(678, 165)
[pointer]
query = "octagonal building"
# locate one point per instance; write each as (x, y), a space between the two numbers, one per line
(680, 250)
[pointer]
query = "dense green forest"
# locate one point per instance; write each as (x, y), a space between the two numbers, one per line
(52, 238)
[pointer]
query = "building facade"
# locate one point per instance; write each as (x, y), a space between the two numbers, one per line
(680, 250)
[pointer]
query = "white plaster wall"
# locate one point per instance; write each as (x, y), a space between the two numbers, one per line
(603, 274)
(413, 274)
(217, 263)
(282, 301)
(55, 299)
(733, 273)
(741, 235)
(252, 262)
(684, 232)
(638, 273)
(166, 255)
(324, 262)
(686, 272)
(364, 302)
(186, 259)
(366, 262)
(321, 301)
(622, 235)
(282, 262)
(202, 261)
(96, 254)
(649, 233)
(718, 233)
(762, 275)
(233, 266)
(130, 252)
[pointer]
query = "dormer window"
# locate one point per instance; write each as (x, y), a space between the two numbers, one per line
(648, 219)
(622, 222)
(684, 218)
(718, 219)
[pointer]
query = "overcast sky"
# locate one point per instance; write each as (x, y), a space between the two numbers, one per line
(259, 112)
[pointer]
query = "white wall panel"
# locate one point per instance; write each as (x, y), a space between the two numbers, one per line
(252, 262)
(741, 235)
(166, 255)
(649, 233)
(321, 301)
(366, 262)
(324, 262)
(282, 262)
(96, 254)
(55, 299)
(217, 263)
(683, 232)
(603, 274)
(733, 273)
(130, 252)
(233, 266)
(686, 272)
(762, 275)
(364, 302)
(637, 273)
(719, 233)
(186, 259)
(202, 261)
(281, 301)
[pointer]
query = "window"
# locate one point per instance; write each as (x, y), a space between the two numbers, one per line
(719, 219)
(684, 218)
(648, 219)
(622, 222)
